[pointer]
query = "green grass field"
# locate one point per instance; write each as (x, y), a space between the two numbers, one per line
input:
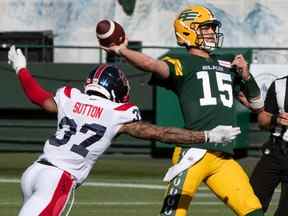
(118, 185)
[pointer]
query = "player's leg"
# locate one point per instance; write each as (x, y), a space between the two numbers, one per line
(182, 188)
(231, 184)
(27, 181)
(282, 209)
(265, 178)
(51, 189)
(283, 202)
(180, 192)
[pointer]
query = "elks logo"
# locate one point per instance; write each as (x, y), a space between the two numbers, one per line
(189, 15)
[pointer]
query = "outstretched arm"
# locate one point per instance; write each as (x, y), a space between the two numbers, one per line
(143, 130)
(32, 89)
(140, 60)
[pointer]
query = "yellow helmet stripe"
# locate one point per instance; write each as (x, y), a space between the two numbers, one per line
(177, 65)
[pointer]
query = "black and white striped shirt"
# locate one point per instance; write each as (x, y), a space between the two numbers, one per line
(277, 99)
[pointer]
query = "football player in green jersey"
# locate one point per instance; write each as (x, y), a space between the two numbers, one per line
(206, 85)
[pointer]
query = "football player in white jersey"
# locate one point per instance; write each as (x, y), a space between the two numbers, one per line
(87, 122)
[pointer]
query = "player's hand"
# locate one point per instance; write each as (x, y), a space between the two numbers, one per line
(116, 48)
(222, 134)
(241, 66)
(243, 100)
(282, 119)
(16, 59)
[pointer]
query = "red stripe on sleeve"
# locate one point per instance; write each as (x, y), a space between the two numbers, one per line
(124, 107)
(67, 91)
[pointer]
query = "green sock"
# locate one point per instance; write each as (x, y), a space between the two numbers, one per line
(257, 212)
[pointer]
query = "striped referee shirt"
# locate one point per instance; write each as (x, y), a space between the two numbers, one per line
(277, 99)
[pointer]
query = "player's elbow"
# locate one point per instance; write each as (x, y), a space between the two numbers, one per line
(149, 64)
(157, 67)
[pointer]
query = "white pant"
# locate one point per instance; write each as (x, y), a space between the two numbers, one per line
(46, 190)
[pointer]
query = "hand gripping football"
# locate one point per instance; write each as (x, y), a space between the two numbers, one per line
(109, 33)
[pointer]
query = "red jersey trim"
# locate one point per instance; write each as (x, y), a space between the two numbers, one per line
(124, 107)
(67, 91)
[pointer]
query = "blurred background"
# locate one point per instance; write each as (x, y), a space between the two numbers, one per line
(58, 36)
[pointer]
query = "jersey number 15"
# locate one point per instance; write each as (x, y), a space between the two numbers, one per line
(223, 87)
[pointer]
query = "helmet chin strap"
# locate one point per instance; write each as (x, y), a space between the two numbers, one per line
(208, 46)
(113, 95)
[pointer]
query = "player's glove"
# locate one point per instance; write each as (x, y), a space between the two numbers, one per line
(16, 59)
(222, 134)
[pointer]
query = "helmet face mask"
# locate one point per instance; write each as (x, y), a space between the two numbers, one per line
(209, 40)
(188, 27)
(109, 82)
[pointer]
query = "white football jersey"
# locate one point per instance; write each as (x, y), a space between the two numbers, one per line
(86, 127)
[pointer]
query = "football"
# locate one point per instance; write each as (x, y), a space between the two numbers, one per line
(109, 33)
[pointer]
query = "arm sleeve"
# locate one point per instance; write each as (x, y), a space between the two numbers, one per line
(250, 88)
(175, 71)
(32, 89)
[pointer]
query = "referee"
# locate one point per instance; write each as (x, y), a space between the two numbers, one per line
(272, 168)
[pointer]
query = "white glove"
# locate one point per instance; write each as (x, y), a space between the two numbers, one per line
(16, 59)
(222, 134)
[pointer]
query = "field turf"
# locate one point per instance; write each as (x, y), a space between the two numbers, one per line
(118, 185)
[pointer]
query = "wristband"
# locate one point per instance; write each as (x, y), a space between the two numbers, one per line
(257, 103)
(251, 88)
(206, 136)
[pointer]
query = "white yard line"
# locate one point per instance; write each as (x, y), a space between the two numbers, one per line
(118, 203)
(125, 185)
(209, 203)
(110, 184)
(117, 185)
(9, 180)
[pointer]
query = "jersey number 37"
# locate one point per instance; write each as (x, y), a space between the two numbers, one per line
(80, 149)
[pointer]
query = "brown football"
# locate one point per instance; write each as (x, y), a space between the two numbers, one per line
(109, 33)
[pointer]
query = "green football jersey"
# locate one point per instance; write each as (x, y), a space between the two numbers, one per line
(205, 90)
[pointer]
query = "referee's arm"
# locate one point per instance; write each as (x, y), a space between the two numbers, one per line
(267, 119)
